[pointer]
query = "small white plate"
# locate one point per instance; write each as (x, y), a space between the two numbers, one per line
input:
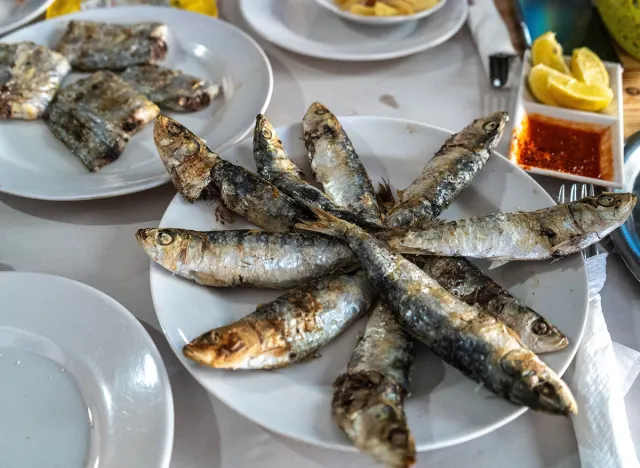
(445, 408)
(304, 27)
(611, 117)
(14, 13)
(34, 164)
(83, 385)
(379, 20)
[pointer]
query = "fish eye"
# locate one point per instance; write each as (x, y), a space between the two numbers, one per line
(605, 200)
(164, 238)
(173, 129)
(398, 437)
(321, 111)
(545, 389)
(267, 133)
(540, 327)
(490, 126)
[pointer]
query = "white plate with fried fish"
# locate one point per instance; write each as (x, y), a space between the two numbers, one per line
(445, 407)
(83, 384)
(35, 164)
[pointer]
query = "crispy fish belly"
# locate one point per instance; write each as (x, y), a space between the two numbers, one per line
(95, 117)
(92, 46)
(187, 158)
(171, 89)
(336, 165)
(246, 257)
(536, 235)
(275, 166)
(368, 400)
(289, 329)
(464, 336)
(30, 75)
(450, 171)
(464, 280)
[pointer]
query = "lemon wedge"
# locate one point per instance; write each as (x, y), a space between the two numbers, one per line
(547, 51)
(539, 83)
(574, 94)
(587, 67)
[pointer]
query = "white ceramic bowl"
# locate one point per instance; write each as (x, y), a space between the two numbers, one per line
(378, 20)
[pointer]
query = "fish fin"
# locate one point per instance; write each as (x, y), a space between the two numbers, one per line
(391, 233)
(325, 224)
(574, 244)
(399, 193)
(385, 194)
(497, 263)
(427, 224)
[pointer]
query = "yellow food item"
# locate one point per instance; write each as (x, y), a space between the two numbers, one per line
(419, 5)
(539, 83)
(403, 7)
(362, 10)
(386, 7)
(577, 95)
(546, 50)
(587, 67)
(64, 7)
(382, 9)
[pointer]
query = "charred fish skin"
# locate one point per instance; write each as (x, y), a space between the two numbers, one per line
(368, 400)
(536, 235)
(466, 337)
(464, 280)
(275, 166)
(92, 46)
(244, 257)
(336, 165)
(171, 89)
(30, 76)
(289, 329)
(450, 171)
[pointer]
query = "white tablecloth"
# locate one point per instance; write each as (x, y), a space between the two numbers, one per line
(93, 242)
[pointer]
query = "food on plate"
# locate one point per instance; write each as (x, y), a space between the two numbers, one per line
(96, 116)
(92, 46)
(582, 149)
(386, 7)
(336, 165)
(275, 166)
(535, 235)
(466, 337)
(171, 89)
(289, 329)
(241, 191)
(30, 75)
(547, 50)
(450, 170)
(587, 67)
(368, 399)
(245, 257)
(464, 280)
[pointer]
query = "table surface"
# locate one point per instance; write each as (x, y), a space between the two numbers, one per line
(94, 242)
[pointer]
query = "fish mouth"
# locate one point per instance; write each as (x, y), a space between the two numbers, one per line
(550, 344)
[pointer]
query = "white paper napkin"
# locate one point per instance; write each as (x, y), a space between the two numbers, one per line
(603, 373)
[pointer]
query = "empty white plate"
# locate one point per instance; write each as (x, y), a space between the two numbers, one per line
(307, 28)
(34, 164)
(444, 408)
(15, 13)
(81, 382)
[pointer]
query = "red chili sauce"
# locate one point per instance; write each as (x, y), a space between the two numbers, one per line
(558, 145)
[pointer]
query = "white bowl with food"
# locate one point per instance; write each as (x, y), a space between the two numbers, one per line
(382, 12)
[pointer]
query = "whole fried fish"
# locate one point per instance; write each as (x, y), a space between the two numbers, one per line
(171, 89)
(466, 337)
(368, 400)
(193, 167)
(275, 166)
(245, 257)
(336, 165)
(464, 280)
(450, 170)
(92, 46)
(289, 329)
(30, 75)
(536, 235)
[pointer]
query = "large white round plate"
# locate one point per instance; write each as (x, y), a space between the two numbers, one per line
(14, 13)
(83, 385)
(445, 407)
(34, 164)
(307, 28)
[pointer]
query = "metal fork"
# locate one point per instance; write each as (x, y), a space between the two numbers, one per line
(586, 190)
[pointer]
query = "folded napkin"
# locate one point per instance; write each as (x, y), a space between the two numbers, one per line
(604, 371)
(492, 39)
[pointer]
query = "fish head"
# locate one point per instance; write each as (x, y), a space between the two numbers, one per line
(542, 337)
(318, 119)
(269, 152)
(536, 385)
(483, 133)
(170, 247)
(603, 213)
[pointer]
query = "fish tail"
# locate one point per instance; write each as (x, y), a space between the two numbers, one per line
(392, 233)
(325, 223)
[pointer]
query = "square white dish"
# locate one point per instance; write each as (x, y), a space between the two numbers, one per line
(611, 117)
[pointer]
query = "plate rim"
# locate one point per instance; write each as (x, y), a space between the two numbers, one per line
(122, 311)
(25, 19)
(348, 448)
(155, 181)
(343, 57)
